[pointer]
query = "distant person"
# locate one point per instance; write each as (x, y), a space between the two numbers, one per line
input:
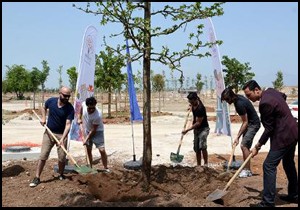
(282, 130)
(250, 124)
(61, 114)
(200, 127)
(93, 129)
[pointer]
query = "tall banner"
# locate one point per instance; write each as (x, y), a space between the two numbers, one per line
(85, 79)
(134, 107)
(223, 121)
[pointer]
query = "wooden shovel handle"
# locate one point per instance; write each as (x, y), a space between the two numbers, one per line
(185, 123)
(231, 156)
(238, 171)
(57, 141)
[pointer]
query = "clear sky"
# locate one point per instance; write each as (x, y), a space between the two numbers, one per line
(261, 33)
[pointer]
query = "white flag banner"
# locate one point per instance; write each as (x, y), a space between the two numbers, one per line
(86, 77)
(222, 122)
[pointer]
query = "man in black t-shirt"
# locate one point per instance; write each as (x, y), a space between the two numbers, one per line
(200, 127)
(250, 124)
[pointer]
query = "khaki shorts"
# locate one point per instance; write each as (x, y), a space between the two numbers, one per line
(47, 145)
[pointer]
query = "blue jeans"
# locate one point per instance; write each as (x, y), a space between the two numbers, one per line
(271, 162)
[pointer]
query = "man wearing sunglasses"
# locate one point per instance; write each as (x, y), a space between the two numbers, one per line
(60, 116)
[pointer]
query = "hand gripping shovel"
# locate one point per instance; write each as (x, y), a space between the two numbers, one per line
(175, 157)
(79, 169)
(218, 194)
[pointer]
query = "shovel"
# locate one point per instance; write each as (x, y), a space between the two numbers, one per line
(85, 147)
(218, 194)
(175, 157)
(79, 169)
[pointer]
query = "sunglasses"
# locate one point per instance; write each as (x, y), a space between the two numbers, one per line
(66, 96)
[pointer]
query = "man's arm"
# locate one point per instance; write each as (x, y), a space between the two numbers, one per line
(242, 128)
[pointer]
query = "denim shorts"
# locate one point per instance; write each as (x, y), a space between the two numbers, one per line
(97, 139)
(248, 136)
(200, 139)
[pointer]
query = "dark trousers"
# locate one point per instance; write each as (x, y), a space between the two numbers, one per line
(271, 162)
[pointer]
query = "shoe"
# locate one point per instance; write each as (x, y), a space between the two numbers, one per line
(35, 182)
(61, 177)
(243, 174)
(249, 173)
(290, 199)
(106, 170)
(262, 204)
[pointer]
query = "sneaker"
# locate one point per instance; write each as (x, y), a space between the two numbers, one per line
(290, 199)
(61, 177)
(35, 182)
(243, 174)
(249, 173)
(106, 170)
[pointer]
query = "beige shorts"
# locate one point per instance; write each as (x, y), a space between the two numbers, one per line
(47, 145)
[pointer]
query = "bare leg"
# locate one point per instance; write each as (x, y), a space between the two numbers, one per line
(40, 167)
(198, 157)
(246, 153)
(205, 156)
(61, 167)
(90, 156)
(103, 157)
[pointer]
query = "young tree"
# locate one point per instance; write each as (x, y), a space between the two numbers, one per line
(72, 77)
(199, 83)
(108, 73)
(139, 29)
(236, 73)
(158, 85)
(35, 81)
(278, 83)
(59, 70)
(44, 75)
(17, 80)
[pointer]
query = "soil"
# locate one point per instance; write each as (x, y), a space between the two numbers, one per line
(172, 185)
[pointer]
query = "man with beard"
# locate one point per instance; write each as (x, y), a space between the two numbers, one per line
(61, 114)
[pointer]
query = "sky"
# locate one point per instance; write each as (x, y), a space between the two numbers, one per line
(264, 34)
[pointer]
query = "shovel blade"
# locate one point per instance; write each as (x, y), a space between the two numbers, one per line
(174, 157)
(215, 195)
(85, 170)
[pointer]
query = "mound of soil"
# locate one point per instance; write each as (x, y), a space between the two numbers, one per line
(171, 186)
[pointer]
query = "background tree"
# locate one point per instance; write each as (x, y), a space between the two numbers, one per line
(72, 77)
(278, 83)
(17, 80)
(199, 83)
(237, 74)
(138, 29)
(44, 75)
(158, 85)
(108, 75)
(206, 85)
(59, 70)
(35, 81)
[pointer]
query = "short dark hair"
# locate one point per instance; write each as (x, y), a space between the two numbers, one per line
(90, 101)
(227, 93)
(192, 96)
(251, 84)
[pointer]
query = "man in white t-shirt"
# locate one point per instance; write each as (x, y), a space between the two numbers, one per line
(93, 130)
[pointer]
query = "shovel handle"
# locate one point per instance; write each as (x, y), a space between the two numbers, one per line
(238, 171)
(185, 123)
(231, 156)
(57, 141)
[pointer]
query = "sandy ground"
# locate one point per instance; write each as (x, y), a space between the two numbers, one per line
(172, 185)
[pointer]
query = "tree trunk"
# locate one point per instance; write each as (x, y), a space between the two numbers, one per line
(33, 100)
(109, 102)
(159, 108)
(147, 149)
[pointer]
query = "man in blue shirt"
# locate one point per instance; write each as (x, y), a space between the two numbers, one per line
(61, 114)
